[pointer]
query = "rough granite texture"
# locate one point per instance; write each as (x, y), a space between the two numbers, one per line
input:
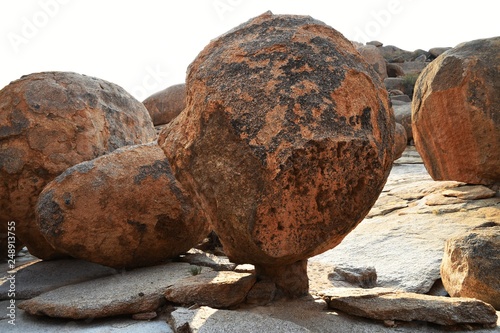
(166, 104)
(471, 264)
(456, 113)
(49, 122)
(286, 139)
(123, 210)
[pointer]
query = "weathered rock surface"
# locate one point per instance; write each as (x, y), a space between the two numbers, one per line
(400, 141)
(374, 58)
(437, 51)
(165, 105)
(42, 276)
(49, 122)
(214, 289)
(131, 292)
(386, 304)
(206, 319)
(30, 324)
(392, 53)
(456, 114)
(470, 192)
(402, 115)
(286, 139)
(140, 215)
(394, 70)
(471, 264)
(413, 67)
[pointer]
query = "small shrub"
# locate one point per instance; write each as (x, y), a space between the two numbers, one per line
(195, 270)
(409, 83)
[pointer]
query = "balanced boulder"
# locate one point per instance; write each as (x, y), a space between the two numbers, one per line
(49, 122)
(165, 105)
(286, 140)
(456, 114)
(123, 209)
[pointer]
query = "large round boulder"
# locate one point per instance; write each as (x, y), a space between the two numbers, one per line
(49, 122)
(166, 104)
(286, 140)
(456, 113)
(123, 210)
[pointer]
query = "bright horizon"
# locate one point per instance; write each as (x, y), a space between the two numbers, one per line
(146, 46)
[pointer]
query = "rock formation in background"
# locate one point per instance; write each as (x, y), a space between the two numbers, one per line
(165, 105)
(456, 114)
(123, 210)
(286, 140)
(51, 121)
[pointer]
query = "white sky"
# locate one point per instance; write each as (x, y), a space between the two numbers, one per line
(146, 45)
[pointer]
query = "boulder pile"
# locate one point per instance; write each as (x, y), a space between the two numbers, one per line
(49, 122)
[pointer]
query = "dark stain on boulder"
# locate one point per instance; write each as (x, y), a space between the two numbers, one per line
(18, 123)
(156, 170)
(50, 215)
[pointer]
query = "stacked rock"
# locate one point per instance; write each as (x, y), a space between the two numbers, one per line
(52, 121)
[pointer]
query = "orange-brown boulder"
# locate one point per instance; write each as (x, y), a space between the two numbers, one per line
(456, 114)
(123, 210)
(49, 122)
(166, 104)
(400, 140)
(286, 140)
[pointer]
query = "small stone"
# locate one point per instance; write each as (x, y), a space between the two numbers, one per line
(364, 277)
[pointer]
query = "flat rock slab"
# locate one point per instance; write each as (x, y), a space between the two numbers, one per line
(386, 304)
(303, 315)
(28, 324)
(214, 289)
(208, 320)
(42, 276)
(131, 292)
(470, 192)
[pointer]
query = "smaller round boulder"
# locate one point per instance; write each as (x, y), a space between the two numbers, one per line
(471, 264)
(400, 140)
(122, 210)
(166, 104)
